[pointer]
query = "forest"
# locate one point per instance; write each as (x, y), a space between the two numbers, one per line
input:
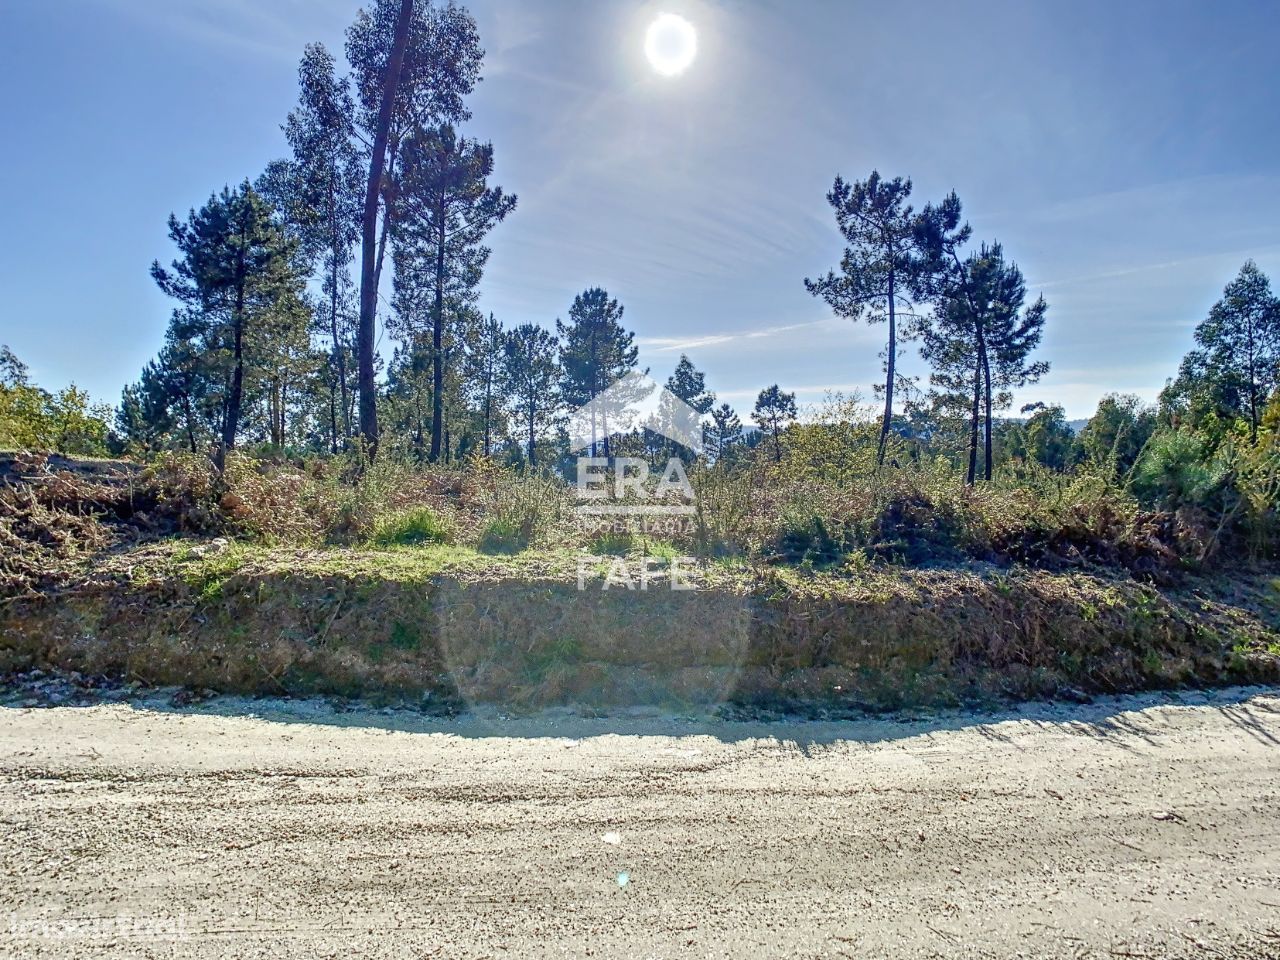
(269, 414)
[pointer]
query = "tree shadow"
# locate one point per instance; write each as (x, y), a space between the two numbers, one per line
(1115, 720)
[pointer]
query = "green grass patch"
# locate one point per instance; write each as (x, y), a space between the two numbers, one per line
(416, 527)
(504, 535)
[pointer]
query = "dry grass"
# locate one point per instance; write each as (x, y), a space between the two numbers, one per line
(455, 627)
(833, 590)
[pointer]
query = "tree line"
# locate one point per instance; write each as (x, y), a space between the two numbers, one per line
(276, 284)
(272, 339)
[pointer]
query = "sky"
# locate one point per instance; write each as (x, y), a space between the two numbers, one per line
(1126, 155)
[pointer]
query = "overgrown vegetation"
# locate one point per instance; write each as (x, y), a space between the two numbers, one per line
(262, 426)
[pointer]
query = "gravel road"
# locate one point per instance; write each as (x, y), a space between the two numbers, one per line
(1134, 827)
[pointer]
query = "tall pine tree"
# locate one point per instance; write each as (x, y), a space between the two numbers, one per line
(413, 65)
(881, 272)
(724, 433)
(980, 341)
(774, 410)
(237, 280)
(533, 377)
(484, 373)
(446, 208)
(595, 351)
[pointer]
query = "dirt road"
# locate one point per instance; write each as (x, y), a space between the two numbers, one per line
(1130, 828)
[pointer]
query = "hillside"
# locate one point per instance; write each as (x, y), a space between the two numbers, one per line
(118, 585)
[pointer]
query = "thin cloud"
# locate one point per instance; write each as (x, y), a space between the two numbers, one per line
(672, 344)
(278, 30)
(1152, 267)
(810, 390)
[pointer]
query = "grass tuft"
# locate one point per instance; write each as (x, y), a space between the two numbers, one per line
(411, 528)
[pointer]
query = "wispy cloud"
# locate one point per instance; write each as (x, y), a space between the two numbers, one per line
(804, 392)
(276, 30)
(1153, 267)
(672, 344)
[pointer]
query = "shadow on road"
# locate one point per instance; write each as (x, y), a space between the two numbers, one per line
(1115, 719)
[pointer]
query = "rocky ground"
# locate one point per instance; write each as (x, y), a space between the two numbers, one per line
(145, 824)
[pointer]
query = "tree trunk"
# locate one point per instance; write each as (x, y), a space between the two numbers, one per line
(973, 425)
(333, 420)
(191, 430)
(339, 354)
(888, 382)
(437, 342)
(231, 417)
(388, 212)
(273, 411)
(369, 228)
(986, 380)
(488, 417)
(231, 413)
(533, 458)
(1253, 388)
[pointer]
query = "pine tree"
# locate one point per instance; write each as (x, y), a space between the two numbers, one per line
(446, 209)
(1236, 365)
(236, 278)
(407, 404)
(413, 64)
(595, 351)
(773, 411)
(690, 385)
(288, 376)
(484, 373)
(724, 433)
(882, 270)
(980, 340)
(532, 376)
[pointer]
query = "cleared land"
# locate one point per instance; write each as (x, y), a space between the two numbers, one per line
(1132, 827)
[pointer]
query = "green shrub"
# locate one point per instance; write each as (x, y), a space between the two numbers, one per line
(1177, 469)
(804, 537)
(521, 509)
(505, 535)
(611, 544)
(411, 528)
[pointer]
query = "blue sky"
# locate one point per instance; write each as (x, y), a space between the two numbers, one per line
(1127, 155)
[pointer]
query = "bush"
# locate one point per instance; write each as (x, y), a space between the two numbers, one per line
(504, 535)
(1177, 469)
(65, 422)
(514, 510)
(411, 528)
(804, 538)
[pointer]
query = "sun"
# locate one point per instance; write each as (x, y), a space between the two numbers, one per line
(671, 44)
